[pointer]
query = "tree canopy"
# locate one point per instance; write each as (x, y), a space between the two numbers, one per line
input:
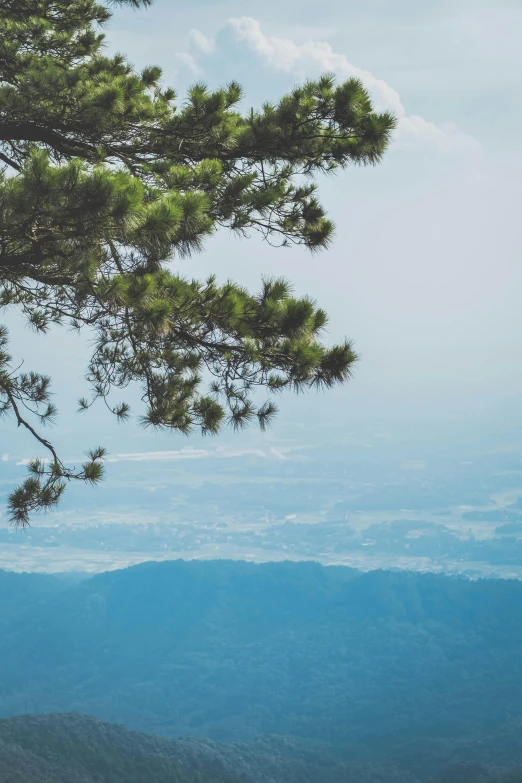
(106, 179)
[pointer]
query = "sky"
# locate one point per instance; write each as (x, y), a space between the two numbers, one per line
(425, 271)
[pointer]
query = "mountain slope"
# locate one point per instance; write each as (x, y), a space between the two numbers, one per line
(418, 670)
(20, 592)
(78, 749)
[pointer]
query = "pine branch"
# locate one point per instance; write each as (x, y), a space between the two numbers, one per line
(21, 422)
(110, 180)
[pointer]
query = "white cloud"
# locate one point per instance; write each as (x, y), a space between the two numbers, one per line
(159, 456)
(278, 454)
(314, 57)
(185, 454)
(201, 42)
(190, 62)
(192, 454)
(5, 457)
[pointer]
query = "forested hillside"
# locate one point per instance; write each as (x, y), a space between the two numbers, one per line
(77, 749)
(408, 670)
(19, 593)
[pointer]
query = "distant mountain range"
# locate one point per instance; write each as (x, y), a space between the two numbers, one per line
(405, 671)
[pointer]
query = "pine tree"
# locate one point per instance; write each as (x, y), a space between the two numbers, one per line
(106, 178)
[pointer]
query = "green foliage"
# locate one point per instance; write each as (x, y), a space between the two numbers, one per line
(107, 179)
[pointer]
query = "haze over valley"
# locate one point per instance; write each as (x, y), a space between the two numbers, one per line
(367, 499)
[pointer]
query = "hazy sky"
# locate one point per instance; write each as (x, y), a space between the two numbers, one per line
(425, 272)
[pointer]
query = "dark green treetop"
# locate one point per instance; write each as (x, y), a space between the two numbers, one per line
(106, 179)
